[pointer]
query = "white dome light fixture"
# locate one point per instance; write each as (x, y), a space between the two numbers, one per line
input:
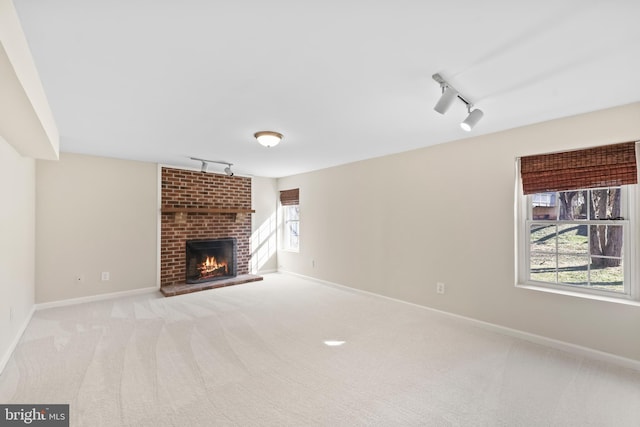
(268, 138)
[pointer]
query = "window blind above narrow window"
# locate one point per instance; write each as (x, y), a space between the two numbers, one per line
(605, 166)
(290, 197)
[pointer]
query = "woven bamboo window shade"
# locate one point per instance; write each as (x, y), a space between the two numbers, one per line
(290, 197)
(605, 166)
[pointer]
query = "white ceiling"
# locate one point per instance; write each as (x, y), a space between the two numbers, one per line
(162, 81)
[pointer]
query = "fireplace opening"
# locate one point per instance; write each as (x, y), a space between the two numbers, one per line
(209, 260)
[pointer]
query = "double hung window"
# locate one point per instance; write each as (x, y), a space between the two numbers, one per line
(290, 202)
(575, 233)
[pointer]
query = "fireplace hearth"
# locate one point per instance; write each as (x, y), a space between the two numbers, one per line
(209, 260)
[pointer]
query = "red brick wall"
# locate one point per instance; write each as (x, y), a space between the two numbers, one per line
(189, 189)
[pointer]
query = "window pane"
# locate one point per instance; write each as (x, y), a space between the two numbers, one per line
(543, 268)
(544, 206)
(573, 239)
(606, 203)
(293, 234)
(292, 227)
(573, 205)
(581, 209)
(606, 257)
(606, 240)
(573, 270)
(608, 278)
(543, 238)
(294, 212)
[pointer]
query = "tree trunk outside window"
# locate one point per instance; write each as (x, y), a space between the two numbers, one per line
(605, 240)
(566, 204)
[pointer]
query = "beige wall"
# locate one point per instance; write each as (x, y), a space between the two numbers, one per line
(17, 244)
(397, 225)
(99, 214)
(264, 225)
(95, 215)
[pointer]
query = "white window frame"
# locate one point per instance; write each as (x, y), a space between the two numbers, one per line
(286, 237)
(523, 222)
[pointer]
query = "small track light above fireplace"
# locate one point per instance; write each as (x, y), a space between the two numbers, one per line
(205, 165)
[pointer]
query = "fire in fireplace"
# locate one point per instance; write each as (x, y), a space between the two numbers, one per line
(209, 260)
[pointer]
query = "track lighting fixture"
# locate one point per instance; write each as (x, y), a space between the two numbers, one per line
(449, 94)
(205, 165)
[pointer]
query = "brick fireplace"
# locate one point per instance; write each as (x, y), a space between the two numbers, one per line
(200, 206)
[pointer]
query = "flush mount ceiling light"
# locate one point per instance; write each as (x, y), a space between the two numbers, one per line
(205, 165)
(268, 138)
(449, 94)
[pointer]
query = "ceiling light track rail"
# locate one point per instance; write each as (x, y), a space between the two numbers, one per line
(205, 165)
(444, 84)
(449, 95)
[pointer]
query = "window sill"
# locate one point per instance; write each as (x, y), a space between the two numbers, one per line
(292, 251)
(579, 295)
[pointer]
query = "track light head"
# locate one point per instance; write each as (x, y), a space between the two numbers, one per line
(472, 119)
(228, 171)
(204, 166)
(449, 95)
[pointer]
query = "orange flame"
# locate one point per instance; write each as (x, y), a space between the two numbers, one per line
(212, 267)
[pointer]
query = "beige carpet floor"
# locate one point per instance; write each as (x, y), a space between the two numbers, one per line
(255, 355)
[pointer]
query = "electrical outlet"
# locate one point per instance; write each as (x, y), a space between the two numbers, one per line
(313, 263)
(440, 288)
(105, 276)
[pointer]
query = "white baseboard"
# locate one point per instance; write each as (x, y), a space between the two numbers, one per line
(16, 340)
(537, 339)
(270, 271)
(92, 298)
